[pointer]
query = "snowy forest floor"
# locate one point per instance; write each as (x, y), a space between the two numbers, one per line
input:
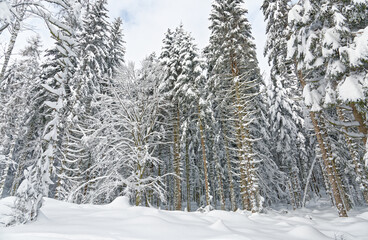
(118, 220)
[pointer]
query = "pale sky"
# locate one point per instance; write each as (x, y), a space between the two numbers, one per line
(146, 22)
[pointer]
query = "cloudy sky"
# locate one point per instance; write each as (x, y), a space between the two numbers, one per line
(146, 21)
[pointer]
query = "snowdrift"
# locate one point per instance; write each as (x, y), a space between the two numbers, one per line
(118, 220)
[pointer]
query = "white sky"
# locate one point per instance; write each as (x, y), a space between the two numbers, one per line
(146, 22)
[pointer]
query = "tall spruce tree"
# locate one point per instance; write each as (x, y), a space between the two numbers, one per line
(90, 80)
(20, 116)
(319, 34)
(181, 86)
(235, 76)
(37, 177)
(286, 113)
(116, 48)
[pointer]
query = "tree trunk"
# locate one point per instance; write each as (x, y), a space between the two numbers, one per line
(243, 161)
(6, 169)
(187, 169)
(338, 196)
(229, 171)
(360, 119)
(252, 176)
(88, 177)
(204, 156)
(177, 158)
(360, 172)
(329, 169)
(158, 203)
(13, 38)
(334, 168)
(219, 179)
(291, 195)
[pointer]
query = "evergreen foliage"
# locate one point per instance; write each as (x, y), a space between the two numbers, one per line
(187, 131)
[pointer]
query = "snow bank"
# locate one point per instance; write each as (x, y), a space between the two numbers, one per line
(118, 221)
(119, 203)
(307, 233)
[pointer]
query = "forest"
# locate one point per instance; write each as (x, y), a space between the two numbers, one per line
(189, 129)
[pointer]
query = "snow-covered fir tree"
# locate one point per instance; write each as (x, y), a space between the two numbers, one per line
(90, 81)
(20, 116)
(55, 77)
(285, 110)
(186, 130)
(320, 33)
(181, 87)
(235, 78)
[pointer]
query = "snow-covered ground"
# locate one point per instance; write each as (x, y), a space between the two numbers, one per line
(66, 221)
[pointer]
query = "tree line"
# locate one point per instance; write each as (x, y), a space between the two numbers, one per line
(189, 129)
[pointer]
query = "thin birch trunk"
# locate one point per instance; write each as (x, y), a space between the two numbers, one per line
(13, 39)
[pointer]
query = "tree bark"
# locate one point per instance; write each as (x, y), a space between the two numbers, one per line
(13, 38)
(328, 166)
(229, 171)
(203, 145)
(355, 158)
(187, 169)
(6, 169)
(177, 158)
(360, 119)
(219, 179)
(243, 161)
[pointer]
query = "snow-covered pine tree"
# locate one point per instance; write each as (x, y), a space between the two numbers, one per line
(183, 69)
(19, 116)
(58, 72)
(354, 57)
(191, 84)
(327, 50)
(37, 176)
(89, 82)
(110, 52)
(169, 60)
(236, 76)
(167, 152)
(31, 178)
(286, 113)
(94, 49)
(272, 180)
(116, 49)
(319, 31)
